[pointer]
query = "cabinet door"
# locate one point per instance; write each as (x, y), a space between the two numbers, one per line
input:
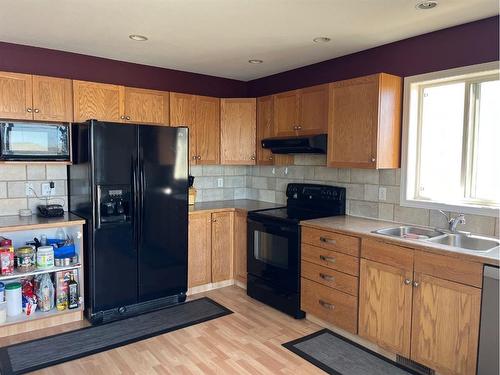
(238, 131)
(182, 113)
(286, 113)
(385, 294)
(98, 101)
(146, 106)
(445, 326)
(352, 133)
(240, 246)
(314, 110)
(222, 246)
(199, 249)
(52, 99)
(265, 129)
(16, 101)
(207, 129)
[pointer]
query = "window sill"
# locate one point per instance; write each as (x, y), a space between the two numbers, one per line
(461, 208)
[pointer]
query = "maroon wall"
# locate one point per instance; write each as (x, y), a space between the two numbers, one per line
(467, 44)
(42, 61)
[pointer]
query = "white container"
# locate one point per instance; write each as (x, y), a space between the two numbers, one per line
(45, 257)
(14, 299)
(3, 312)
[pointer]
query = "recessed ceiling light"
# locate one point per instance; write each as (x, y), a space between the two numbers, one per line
(321, 39)
(138, 38)
(428, 4)
(255, 61)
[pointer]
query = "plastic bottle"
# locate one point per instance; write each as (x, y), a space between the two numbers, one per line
(60, 234)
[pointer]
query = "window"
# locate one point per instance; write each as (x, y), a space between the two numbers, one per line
(451, 144)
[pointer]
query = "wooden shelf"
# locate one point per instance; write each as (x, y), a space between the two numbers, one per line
(19, 275)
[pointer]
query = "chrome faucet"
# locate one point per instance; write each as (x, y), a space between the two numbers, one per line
(454, 221)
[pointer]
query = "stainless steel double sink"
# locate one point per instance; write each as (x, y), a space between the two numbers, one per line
(459, 240)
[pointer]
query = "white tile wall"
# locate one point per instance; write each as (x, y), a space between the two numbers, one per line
(13, 178)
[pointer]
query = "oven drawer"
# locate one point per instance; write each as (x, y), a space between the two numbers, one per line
(331, 259)
(328, 277)
(330, 305)
(331, 241)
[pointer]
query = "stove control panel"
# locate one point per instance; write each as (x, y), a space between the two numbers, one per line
(315, 192)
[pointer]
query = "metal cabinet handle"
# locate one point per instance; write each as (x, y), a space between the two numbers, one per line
(29, 110)
(270, 158)
(194, 157)
(373, 160)
(326, 277)
(295, 127)
(252, 157)
(122, 117)
(299, 127)
(127, 117)
(326, 305)
(327, 240)
(407, 281)
(198, 157)
(416, 284)
(327, 259)
(37, 110)
(214, 220)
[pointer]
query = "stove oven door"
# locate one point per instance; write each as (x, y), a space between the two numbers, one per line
(274, 252)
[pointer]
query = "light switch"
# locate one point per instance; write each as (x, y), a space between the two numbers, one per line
(220, 182)
(382, 193)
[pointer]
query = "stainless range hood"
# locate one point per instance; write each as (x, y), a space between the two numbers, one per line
(307, 144)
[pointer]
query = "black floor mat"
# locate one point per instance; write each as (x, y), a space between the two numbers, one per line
(48, 351)
(337, 355)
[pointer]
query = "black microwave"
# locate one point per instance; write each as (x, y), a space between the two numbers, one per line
(31, 141)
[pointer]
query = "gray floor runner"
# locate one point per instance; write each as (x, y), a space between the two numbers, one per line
(337, 355)
(48, 351)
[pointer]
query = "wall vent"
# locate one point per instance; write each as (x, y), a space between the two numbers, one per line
(415, 366)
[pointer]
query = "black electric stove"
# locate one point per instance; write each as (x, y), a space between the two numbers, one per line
(273, 258)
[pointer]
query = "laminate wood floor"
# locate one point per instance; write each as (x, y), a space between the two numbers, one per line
(245, 342)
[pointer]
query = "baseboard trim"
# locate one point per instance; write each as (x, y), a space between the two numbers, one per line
(209, 286)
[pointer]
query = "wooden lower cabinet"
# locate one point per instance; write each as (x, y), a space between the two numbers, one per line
(199, 249)
(329, 304)
(445, 326)
(385, 295)
(222, 246)
(240, 246)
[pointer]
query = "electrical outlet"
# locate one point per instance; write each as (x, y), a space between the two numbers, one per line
(220, 182)
(47, 190)
(382, 193)
(29, 189)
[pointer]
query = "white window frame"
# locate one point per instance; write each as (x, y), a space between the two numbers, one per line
(413, 87)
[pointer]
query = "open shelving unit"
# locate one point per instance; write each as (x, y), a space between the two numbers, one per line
(38, 319)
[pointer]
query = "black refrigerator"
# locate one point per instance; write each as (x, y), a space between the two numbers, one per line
(130, 183)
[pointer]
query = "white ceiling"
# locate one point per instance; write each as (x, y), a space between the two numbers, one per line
(217, 37)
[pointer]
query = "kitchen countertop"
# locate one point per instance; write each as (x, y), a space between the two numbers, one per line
(363, 227)
(17, 223)
(237, 204)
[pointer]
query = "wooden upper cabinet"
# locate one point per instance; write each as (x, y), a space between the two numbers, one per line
(286, 113)
(16, 100)
(385, 299)
(364, 128)
(238, 131)
(98, 101)
(146, 106)
(182, 113)
(52, 99)
(222, 246)
(445, 328)
(200, 249)
(313, 110)
(265, 129)
(207, 130)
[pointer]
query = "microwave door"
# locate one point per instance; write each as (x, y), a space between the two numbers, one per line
(34, 141)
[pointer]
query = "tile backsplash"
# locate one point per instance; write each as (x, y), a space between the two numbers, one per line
(269, 184)
(13, 179)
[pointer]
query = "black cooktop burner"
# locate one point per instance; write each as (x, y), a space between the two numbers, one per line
(289, 214)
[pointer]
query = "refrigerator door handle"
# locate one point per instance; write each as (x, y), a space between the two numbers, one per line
(135, 191)
(142, 182)
(98, 207)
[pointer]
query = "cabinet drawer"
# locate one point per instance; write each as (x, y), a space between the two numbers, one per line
(330, 305)
(331, 241)
(331, 259)
(328, 277)
(448, 268)
(392, 255)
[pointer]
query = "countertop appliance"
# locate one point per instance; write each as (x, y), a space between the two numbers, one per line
(32, 141)
(273, 258)
(489, 332)
(130, 183)
(307, 144)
